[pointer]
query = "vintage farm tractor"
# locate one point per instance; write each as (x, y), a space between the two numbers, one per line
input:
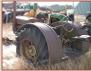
(42, 43)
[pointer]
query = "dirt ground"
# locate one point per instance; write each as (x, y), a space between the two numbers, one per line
(7, 31)
(10, 61)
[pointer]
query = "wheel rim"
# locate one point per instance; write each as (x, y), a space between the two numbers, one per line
(45, 52)
(28, 50)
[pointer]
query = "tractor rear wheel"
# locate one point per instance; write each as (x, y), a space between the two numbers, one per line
(32, 46)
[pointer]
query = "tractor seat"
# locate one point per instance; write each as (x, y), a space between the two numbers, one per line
(24, 19)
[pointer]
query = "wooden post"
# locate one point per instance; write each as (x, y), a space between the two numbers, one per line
(14, 13)
(0, 33)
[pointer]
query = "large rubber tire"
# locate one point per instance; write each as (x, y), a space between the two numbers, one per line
(33, 34)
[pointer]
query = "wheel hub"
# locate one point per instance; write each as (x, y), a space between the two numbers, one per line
(29, 50)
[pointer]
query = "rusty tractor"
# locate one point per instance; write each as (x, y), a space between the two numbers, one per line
(42, 43)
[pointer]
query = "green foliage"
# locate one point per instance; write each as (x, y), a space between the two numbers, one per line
(69, 35)
(24, 6)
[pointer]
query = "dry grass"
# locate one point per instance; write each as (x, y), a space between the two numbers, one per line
(79, 18)
(81, 63)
